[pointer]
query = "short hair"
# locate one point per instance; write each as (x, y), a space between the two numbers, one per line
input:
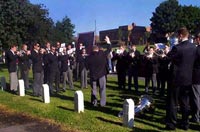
(197, 35)
(13, 45)
(95, 47)
(183, 31)
(122, 44)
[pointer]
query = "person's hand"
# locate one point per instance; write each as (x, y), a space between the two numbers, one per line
(107, 39)
(28, 52)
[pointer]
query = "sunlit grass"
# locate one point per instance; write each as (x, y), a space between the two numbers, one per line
(61, 109)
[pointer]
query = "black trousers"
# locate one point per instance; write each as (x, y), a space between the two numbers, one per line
(177, 95)
(121, 76)
(133, 74)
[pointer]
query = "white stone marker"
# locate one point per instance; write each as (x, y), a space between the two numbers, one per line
(21, 88)
(3, 83)
(128, 113)
(79, 101)
(46, 97)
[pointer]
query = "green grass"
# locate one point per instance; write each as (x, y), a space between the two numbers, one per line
(61, 109)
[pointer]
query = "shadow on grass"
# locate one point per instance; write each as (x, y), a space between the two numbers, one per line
(36, 99)
(149, 123)
(64, 97)
(109, 121)
(65, 108)
(135, 129)
(195, 127)
(105, 109)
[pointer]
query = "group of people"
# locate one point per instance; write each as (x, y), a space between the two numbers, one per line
(179, 67)
(50, 64)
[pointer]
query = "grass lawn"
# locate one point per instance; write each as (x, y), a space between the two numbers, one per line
(61, 109)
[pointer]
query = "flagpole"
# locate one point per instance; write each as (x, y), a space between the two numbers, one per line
(95, 29)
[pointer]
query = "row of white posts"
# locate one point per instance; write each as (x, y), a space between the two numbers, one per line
(128, 106)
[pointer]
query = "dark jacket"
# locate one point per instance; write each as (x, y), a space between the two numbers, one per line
(133, 62)
(53, 62)
(37, 60)
(151, 65)
(11, 61)
(64, 62)
(182, 57)
(24, 63)
(97, 63)
(122, 62)
(196, 70)
(82, 61)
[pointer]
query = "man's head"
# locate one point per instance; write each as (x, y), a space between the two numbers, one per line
(24, 47)
(133, 47)
(53, 49)
(48, 45)
(14, 47)
(36, 46)
(183, 33)
(95, 48)
(151, 50)
(197, 38)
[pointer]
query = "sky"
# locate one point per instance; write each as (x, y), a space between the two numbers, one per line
(107, 14)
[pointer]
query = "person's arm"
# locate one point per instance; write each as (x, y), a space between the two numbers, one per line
(109, 48)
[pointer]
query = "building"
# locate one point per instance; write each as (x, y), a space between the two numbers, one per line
(128, 33)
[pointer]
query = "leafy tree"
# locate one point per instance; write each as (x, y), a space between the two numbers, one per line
(12, 21)
(169, 16)
(23, 22)
(40, 26)
(190, 18)
(165, 19)
(64, 30)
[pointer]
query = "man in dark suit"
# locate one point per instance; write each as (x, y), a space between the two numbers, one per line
(54, 75)
(37, 68)
(11, 61)
(24, 65)
(46, 66)
(195, 94)
(97, 65)
(133, 65)
(64, 59)
(151, 69)
(182, 57)
(122, 65)
(82, 67)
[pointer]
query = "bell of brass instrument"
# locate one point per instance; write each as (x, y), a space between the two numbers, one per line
(145, 102)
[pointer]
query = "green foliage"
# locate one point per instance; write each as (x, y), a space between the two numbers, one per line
(166, 17)
(191, 18)
(23, 22)
(63, 31)
(169, 16)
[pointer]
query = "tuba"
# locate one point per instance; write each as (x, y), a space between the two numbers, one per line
(145, 102)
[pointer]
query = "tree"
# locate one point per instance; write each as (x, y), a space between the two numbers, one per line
(165, 19)
(64, 30)
(21, 21)
(40, 26)
(190, 18)
(12, 21)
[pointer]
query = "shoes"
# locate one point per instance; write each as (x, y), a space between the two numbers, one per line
(170, 127)
(95, 103)
(184, 127)
(194, 120)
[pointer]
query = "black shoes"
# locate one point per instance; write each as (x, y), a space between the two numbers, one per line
(170, 127)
